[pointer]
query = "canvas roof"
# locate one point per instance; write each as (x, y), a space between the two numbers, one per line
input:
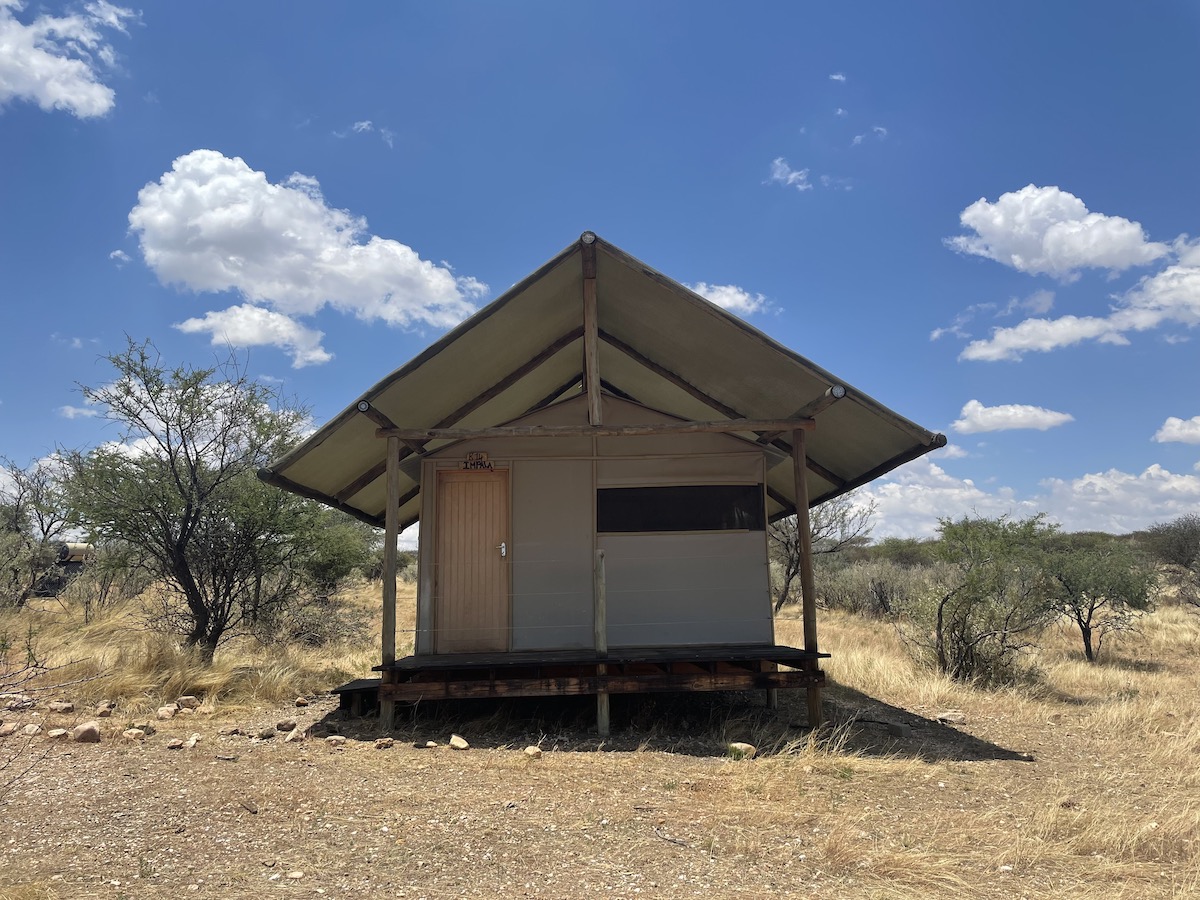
(660, 345)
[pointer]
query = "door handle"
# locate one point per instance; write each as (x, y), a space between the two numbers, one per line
(503, 548)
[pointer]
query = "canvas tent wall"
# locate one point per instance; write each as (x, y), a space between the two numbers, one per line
(674, 583)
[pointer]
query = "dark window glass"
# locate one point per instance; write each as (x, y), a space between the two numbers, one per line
(707, 507)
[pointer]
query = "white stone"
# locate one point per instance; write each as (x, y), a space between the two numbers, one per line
(458, 742)
(742, 750)
(133, 734)
(61, 706)
(533, 752)
(167, 712)
(188, 701)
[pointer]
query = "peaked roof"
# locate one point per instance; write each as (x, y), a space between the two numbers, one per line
(660, 345)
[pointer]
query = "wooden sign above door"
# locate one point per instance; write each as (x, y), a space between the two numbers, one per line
(476, 462)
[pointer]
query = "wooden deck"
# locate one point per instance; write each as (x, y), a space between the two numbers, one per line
(553, 673)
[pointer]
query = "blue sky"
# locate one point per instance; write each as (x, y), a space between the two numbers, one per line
(980, 214)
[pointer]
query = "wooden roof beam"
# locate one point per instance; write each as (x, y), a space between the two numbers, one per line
(811, 409)
(726, 426)
(383, 421)
(712, 402)
(466, 409)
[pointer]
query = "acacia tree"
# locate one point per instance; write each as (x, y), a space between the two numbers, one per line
(32, 520)
(1100, 584)
(179, 485)
(991, 601)
(834, 525)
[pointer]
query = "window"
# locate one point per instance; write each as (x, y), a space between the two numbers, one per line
(707, 507)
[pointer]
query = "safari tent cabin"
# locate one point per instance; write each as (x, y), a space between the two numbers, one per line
(594, 459)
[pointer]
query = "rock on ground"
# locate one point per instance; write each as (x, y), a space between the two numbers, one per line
(86, 733)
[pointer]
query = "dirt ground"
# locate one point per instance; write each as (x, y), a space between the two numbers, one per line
(660, 810)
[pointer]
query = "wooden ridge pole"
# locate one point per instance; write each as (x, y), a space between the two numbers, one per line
(808, 589)
(591, 329)
(391, 530)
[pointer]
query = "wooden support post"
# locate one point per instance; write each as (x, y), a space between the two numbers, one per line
(387, 707)
(600, 640)
(591, 331)
(808, 590)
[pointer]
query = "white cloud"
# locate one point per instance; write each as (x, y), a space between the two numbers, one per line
(78, 412)
(360, 127)
(1037, 303)
(879, 131)
(120, 257)
(837, 76)
(731, 297)
(841, 113)
(1176, 430)
(976, 418)
(951, 451)
(1040, 334)
(388, 136)
(837, 183)
(214, 224)
(57, 62)
(253, 326)
(1171, 296)
(858, 139)
(1120, 502)
(1045, 230)
(784, 174)
(910, 500)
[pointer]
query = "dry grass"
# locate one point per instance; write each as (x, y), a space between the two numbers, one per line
(115, 657)
(1081, 783)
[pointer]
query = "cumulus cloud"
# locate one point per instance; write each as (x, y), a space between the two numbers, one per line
(837, 76)
(1047, 231)
(58, 62)
(784, 174)
(253, 326)
(213, 224)
(1119, 502)
(976, 418)
(731, 297)
(1176, 430)
(1171, 296)
(910, 501)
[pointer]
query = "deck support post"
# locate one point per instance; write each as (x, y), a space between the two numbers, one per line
(387, 706)
(808, 590)
(600, 640)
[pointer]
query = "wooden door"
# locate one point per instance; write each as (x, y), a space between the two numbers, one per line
(471, 592)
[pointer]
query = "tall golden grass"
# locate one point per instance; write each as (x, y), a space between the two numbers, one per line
(115, 656)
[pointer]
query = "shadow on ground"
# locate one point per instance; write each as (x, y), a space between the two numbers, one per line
(688, 724)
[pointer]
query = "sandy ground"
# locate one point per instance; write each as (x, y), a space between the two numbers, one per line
(660, 810)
